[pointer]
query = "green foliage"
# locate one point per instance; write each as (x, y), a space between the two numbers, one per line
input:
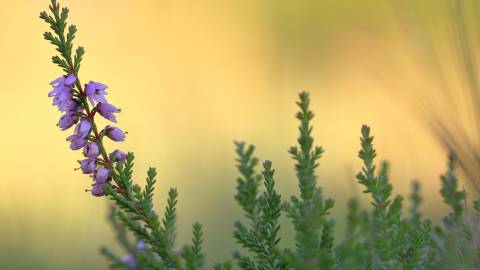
(416, 200)
(457, 240)
(193, 256)
(261, 238)
(248, 182)
(309, 212)
(376, 237)
(63, 44)
(451, 196)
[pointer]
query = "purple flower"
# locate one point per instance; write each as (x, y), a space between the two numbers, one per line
(114, 133)
(95, 91)
(62, 92)
(98, 189)
(140, 245)
(67, 120)
(88, 165)
(61, 83)
(130, 260)
(83, 128)
(76, 142)
(101, 175)
(58, 81)
(59, 91)
(107, 110)
(63, 100)
(90, 150)
(118, 156)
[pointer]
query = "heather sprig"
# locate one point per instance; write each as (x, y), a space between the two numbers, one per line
(71, 98)
(450, 193)
(261, 237)
(309, 212)
(193, 255)
(112, 172)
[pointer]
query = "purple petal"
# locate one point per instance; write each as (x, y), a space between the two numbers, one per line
(76, 142)
(106, 110)
(84, 128)
(100, 86)
(58, 89)
(101, 175)
(140, 245)
(110, 107)
(115, 134)
(57, 81)
(90, 150)
(99, 98)
(67, 106)
(90, 92)
(118, 156)
(70, 80)
(88, 165)
(64, 95)
(98, 190)
(67, 121)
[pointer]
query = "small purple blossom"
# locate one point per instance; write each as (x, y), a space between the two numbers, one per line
(62, 93)
(98, 189)
(76, 142)
(67, 120)
(83, 128)
(95, 91)
(101, 175)
(130, 260)
(107, 110)
(90, 150)
(118, 156)
(58, 81)
(64, 102)
(114, 133)
(62, 82)
(58, 89)
(88, 165)
(140, 245)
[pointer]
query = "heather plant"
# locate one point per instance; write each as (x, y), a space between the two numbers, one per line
(381, 236)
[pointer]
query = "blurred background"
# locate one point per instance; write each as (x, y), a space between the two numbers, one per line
(193, 76)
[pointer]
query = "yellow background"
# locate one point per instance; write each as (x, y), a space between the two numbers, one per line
(191, 77)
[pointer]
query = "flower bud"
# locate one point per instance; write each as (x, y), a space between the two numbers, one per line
(83, 128)
(115, 134)
(76, 142)
(90, 150)
(140, 245)
(118, 156)
(98, 190)
(101, 175)
(88, 165)
(107, 111)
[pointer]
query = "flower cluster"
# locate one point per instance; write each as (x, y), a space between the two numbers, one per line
(72, 100)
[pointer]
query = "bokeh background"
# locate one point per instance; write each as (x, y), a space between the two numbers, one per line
(193, 76)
